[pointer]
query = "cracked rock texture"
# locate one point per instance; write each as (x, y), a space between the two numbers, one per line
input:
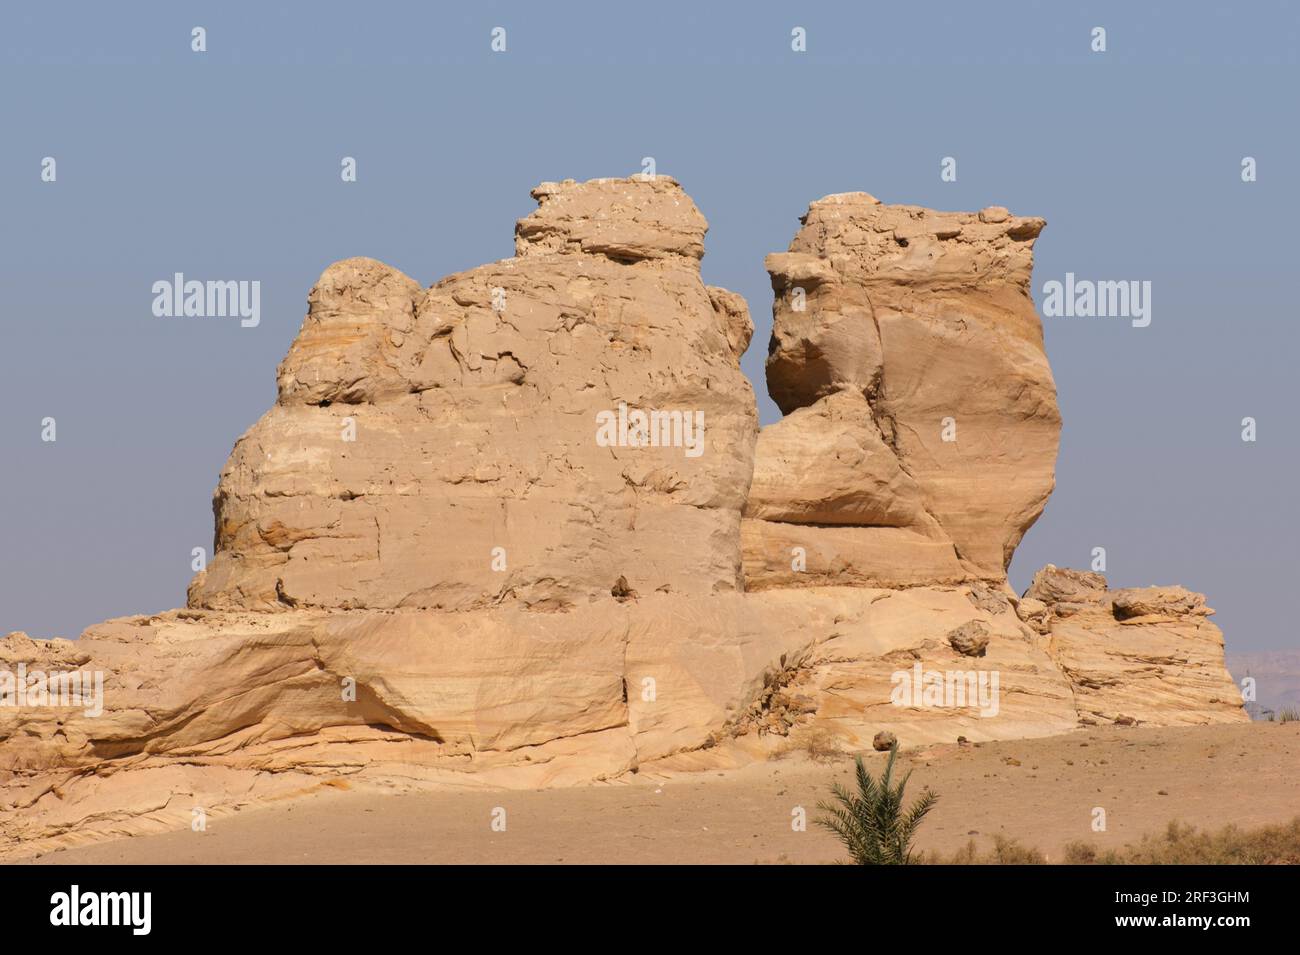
(910, 337)
(428, 571)
(1147, 653)
(472, 408)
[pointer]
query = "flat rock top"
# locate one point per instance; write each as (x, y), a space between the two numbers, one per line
(629, 220)
(866, 239)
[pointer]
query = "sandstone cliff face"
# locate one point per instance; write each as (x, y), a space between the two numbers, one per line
(438, 448)
(908, 358)
(433, 568)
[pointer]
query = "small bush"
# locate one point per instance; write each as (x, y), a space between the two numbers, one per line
(818, 743)
(1178, 844)
(1010, 852)
(1080, 853)
(1005, 851)
(1181, 844)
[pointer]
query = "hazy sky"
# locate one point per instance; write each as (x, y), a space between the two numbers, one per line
(225, 164)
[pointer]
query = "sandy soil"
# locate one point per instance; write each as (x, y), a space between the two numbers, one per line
(1041, 792)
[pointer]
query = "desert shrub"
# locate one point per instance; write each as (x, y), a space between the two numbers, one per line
(967, 855)
(871, 822)
(1177, 844)
(1288, 716)
(1010, 852)
(818, 743)
(1005, 851)
(1181, 844)
(1080, 853)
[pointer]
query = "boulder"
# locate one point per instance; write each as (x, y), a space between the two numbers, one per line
(971, 639)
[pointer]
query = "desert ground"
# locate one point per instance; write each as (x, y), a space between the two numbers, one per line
(1041, 792)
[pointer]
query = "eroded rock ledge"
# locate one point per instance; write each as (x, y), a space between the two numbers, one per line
(471, 589)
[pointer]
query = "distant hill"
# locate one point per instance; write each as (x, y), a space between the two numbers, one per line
(1276, 673)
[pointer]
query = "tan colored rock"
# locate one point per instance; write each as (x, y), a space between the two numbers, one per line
(733, 313)
(827, 463)
(351, 347)
(1146, 655)
(475, 591)
(779, 554)
(829, 503)
(971, 639)
(438, 448)
(1170, 674)
(890, 648)
(1159, 602)
(990, 599)
(922, 324)
(1060, 588)
(1035, 613)
(224, 710)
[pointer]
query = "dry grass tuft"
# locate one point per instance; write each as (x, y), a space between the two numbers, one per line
(1005, 852)
(818, 743)
(1179, 844)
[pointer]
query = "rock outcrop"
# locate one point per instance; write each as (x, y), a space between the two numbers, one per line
(1146, 654)
(908, 358)
(438, 448)
(520, 529)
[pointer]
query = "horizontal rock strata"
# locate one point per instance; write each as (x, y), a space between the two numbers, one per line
(907, 352)
(424, 439)
(461, 549)
(1145, 655)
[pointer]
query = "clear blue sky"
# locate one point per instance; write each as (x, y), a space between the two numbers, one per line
(226, 165)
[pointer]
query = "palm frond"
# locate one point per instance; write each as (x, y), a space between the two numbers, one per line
(871, 822)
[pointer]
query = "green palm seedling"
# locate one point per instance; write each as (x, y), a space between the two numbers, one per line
(871, 822)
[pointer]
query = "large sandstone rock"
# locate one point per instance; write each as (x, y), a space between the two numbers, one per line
(476, 590)
(905, 342)
(474, 477)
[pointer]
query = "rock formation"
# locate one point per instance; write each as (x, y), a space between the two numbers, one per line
(472, 407)
(520, 529)
(921, 426)
(1147, 654)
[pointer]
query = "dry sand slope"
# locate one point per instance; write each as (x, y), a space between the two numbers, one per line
(1041, 792)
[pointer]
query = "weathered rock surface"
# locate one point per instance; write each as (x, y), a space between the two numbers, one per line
(222, 709)
(430, 571)
(425, 439)
(826, 481)
(908, 338)
(1149, 654)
